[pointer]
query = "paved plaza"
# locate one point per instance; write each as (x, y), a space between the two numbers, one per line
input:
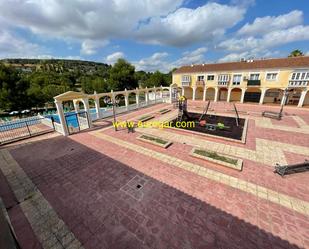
(107, 190)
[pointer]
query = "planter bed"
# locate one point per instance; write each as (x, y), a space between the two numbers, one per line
(212, 156)
(145, 118)
(164, 111)
(154, 140)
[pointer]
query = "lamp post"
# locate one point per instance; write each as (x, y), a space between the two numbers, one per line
(112, 102)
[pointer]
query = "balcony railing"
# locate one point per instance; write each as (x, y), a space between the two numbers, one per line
(223, 83)
(254, 83)
(185, 83)
(200, 83)
(298, 83)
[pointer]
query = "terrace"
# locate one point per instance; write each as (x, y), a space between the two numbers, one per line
(161, 187)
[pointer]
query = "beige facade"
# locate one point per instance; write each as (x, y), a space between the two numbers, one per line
(269, 85)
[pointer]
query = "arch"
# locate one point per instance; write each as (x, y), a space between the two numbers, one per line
(199, 92)
(165, 93)
(101, 100)
(151, 95)
(132, 98)
(91, 103)
(68, 106)
(235, 94)
(188, 92)
(210, 93)
(121, 98)
(306, 100)
(293, 96)
(142, 97)
(253, 95)
(273, 96)
(223, 91)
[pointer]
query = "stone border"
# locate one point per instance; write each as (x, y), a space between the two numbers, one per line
(238, 166)
(168, 143)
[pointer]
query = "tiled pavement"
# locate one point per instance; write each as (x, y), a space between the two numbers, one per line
(186, 202)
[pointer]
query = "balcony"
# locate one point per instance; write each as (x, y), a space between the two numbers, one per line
(185, 83)
(200, 83)
(254, 83)
(298, 83)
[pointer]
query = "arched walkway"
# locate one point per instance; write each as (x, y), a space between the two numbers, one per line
(142, 97)
(273, 96)
(68, 106)
(252, 94)
(235, 95)
(101, 101)
(210, 93)
(188, 92)
(199, 93)
(222, 94)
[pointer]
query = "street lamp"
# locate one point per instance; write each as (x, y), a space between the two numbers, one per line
(112, 102)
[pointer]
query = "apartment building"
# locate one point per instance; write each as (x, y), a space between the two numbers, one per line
(271, 81)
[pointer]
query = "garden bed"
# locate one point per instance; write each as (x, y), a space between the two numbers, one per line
(223, 126)
(145, 118)
(212, 156)
(154, 140)
(164, 111)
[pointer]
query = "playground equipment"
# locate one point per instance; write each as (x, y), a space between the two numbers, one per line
(290, 169)
(182, 109)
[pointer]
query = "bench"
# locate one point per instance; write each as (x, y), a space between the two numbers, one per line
(274, 115)
(290, 169)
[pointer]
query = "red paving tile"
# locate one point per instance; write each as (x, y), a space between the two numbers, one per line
(82, 176)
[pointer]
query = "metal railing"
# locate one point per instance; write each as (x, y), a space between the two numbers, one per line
(24, 128)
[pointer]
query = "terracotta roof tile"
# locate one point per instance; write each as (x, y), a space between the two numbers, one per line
(292, 62)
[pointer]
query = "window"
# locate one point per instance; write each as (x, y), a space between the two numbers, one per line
(223, 78)
(254, 76)
(271, 76)
(300, 76)
(210, 77)
(236, 79)
(200, 77)
(186, 78)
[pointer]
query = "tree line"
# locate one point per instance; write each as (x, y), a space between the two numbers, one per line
(21, 90)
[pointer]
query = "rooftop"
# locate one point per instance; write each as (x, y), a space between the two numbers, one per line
(290, 62)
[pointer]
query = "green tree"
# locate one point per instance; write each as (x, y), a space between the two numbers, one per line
(156, 79)
(12, 89)
(296, 53)
(122, 75)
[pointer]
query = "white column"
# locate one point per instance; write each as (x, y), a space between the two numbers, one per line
(182, 91)
(97, 107)
(87, 109)
(146, 96)
(194, 92)
(284, 97)
(126, 99)
(76, 105)
(171, 97)
(263, 91)
(60, 112)
(137, 97)
(302, 98)
(161, 92)
(229, 91)
(155, 94)
(216, 94)
(204, 93)
(243, 91)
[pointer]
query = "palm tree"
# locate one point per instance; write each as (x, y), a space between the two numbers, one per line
(296, 53)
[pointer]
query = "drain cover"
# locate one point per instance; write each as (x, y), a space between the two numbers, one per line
(134, 187)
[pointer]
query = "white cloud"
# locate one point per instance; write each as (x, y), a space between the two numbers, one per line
(17, 47)
(249, 54)
(90, 47)
(159, 61)
(112, 58)
(269, 40)
(267, 24)
(186, 26)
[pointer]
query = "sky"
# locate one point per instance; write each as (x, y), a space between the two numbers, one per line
(153, 34)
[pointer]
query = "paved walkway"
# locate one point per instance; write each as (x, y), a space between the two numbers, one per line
(106, 189)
